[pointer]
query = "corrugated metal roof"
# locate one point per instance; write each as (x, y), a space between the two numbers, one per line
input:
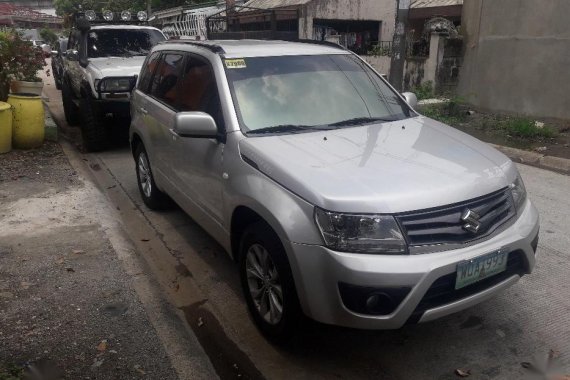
(434, 3)
(271, 4)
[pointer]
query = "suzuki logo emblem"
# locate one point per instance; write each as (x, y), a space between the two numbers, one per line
(471, 219)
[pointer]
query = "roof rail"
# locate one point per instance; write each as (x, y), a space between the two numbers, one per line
(323, 43)
(212, 47)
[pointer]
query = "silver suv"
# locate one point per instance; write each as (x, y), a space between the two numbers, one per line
(336, 199)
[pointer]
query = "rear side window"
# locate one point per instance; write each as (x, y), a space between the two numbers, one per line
(198, 90)
(163, 84)
(147, 71)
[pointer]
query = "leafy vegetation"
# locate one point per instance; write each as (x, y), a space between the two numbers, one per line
(48, 36)
(526, 128)
(424, 90)
(11, 372)
(19, 60)
(455, 113)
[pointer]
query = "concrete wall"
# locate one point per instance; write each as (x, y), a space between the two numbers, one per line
(376, 10)
(380, 63)
(517, 56)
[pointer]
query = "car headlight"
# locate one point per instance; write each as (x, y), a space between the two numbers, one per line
(116, 84)
(519, 192)
(357, 233)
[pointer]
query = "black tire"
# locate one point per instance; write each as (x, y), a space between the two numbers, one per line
(283, 329)
(70, 109)
(153, 197)
(93, 129)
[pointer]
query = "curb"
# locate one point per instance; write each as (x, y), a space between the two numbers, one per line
(556, 164)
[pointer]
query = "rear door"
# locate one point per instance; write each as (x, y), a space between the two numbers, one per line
(158, 110)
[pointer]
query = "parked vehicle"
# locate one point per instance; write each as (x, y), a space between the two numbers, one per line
(46, 49)
(337, 200)
(100, 69)
(57, 61)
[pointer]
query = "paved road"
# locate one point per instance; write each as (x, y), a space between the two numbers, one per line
(491, 339)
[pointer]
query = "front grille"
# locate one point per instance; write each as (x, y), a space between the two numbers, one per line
(443, 292)
(443, 225)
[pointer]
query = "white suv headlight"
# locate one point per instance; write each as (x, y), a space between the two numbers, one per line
(116, 84)
(358, 233)
(519, 192)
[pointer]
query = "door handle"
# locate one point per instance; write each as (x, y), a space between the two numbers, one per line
(174, 134)
(143, 110)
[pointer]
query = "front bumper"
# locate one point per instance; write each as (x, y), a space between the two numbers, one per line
(119, 107)
(318, 272)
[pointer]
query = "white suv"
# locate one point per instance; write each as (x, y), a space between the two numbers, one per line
(100, 69)
(335, 197)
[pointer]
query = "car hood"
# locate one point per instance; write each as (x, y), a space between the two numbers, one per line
(116, 66)
(393, 167)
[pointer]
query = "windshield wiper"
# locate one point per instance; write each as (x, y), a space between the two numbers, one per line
(361, 120)
(287, 128)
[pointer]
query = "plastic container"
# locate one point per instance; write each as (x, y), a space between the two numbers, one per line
(27, 120)
(5, 127)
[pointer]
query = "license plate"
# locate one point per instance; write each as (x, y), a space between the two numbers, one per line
(477, 269)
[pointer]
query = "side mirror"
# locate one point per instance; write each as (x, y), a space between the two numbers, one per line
(411, 99)
(73, 55)
(54, 53)
(195, 124)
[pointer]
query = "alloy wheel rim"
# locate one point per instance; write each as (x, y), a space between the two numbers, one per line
(264, 284)
(144, 175)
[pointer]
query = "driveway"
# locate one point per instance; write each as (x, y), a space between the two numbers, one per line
(523, 324)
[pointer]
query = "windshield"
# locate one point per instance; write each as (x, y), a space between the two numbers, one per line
(121, 42)
(300, 93)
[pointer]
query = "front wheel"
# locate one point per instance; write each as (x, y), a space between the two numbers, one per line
(69, 108)
(268, 284)
(93, 129)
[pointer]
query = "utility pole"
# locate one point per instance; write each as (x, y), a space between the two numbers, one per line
(399, 44)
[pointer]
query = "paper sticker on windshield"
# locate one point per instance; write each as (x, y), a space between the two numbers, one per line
(235, 63)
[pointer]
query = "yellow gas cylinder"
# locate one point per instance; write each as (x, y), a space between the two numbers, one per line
(27, 121)
(5, 127)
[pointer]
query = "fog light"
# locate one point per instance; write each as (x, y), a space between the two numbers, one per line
(379, 303)
(126, 16)
(90, 15)
(141, 16)
(108, 15)
(371, 300)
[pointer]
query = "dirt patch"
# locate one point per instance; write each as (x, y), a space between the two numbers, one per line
(550, 137)
(27, 172)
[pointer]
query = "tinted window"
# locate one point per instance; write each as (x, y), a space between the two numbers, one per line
(147, 71)
(121, 42)
(163, 86)
(198, 90)
(310, 91)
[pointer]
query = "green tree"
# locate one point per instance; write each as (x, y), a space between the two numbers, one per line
(48, 36)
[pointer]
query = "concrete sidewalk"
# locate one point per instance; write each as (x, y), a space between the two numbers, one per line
(75, 299)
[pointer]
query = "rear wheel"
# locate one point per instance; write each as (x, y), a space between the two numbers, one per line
(70, 109)
(268, 284)
(93, 129)
(151, 195)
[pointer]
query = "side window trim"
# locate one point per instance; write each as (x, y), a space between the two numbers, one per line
(190, 55)
(147, 60)
(160, 60)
